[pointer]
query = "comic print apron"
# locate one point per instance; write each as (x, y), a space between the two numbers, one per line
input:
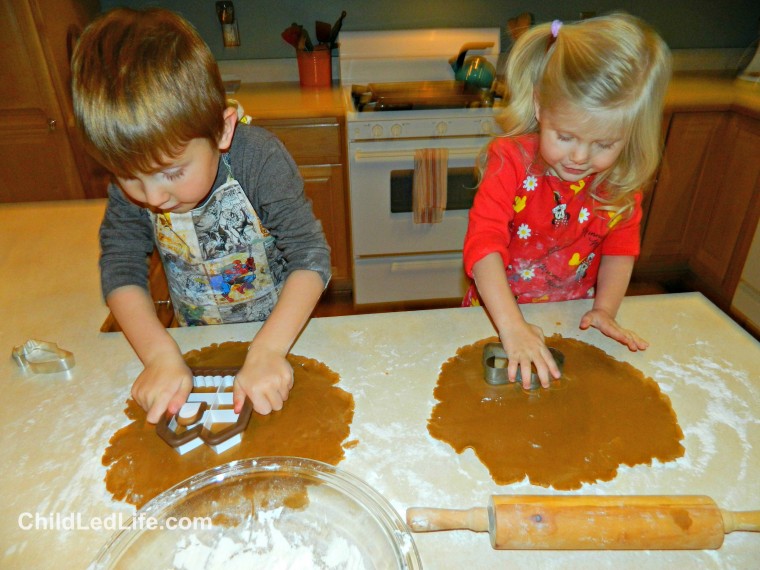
(216, 259)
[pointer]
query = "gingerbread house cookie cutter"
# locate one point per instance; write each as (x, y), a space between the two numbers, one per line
(208, 405)
(495, 367)
(42, 357)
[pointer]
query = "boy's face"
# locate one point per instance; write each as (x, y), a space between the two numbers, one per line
(186, 179)
(576, 144)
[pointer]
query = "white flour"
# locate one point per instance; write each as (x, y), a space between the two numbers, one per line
(260, 544)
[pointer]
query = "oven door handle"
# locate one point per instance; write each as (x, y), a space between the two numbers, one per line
(385, 155)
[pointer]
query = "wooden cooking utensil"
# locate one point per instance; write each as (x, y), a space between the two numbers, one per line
(547, 522)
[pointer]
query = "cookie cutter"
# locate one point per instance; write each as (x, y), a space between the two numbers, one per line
(209, 403)
(41, 357)
(495, 369)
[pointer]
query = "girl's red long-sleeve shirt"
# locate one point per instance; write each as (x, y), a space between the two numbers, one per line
(549, 233)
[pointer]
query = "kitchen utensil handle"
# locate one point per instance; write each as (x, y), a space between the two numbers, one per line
(422, 519)
(748, 521)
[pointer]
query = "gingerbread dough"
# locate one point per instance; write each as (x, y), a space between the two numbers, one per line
(313, 424)
(602, 413)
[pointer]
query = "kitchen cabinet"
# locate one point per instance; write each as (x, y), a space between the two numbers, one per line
(317, 146)
(728, 207)
(705, 204)
(41, 152)
(665, 245)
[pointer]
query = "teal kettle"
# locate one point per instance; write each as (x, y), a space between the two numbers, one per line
(475, 71)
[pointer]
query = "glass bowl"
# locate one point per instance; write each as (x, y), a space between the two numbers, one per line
(268, 512)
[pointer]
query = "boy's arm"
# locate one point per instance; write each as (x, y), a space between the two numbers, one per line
(266, 376)
(611, 285)
(523, 342)
(166, 381)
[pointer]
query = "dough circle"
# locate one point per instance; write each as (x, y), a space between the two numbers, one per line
(314, 423)
(601, 414)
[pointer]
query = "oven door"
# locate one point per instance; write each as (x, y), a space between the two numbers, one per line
(394, 258)
(381, 181)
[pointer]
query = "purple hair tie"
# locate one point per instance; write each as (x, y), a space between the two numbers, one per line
(556, 25)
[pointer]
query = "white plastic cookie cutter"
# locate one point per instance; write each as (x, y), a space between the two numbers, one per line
(197, 421)
(41, 357)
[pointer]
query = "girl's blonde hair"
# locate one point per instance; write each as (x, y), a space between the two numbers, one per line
(615, 65)
(144, 84)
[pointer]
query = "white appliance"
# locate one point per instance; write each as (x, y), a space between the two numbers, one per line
(752, 71)
(395, 259)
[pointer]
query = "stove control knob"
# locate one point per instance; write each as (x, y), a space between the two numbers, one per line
(486, 127)
(396, 130)
(441, 128)
(377, 131)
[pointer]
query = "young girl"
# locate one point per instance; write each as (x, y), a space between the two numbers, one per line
(557, 213)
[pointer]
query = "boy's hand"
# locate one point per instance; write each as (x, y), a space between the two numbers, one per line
(163, 386)
(607, 325)
(525, 347)
(266, 378)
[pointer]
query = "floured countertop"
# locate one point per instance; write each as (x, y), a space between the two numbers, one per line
(56, 426)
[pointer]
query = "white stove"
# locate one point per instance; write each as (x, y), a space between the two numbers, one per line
(398, 87)
(406, 58)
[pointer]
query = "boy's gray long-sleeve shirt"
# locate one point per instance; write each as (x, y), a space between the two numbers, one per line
(270, 179)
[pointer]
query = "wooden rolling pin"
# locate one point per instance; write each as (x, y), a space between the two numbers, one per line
(547, 522)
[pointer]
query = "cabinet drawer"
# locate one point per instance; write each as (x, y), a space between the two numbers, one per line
(308, 142)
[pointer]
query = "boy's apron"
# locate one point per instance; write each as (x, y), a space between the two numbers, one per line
(216, 259)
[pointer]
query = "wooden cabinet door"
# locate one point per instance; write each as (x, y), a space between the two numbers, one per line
(317, 146)
(728, 206)
(666, 244)
(36, 161)
(36, 158)
(324, 186)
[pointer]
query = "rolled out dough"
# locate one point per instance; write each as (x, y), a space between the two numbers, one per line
(314, 423)
(601, 414)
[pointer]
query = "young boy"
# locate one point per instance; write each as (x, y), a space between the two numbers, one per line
(222, 201)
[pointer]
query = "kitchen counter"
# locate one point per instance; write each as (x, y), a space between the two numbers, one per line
(687, 92)
(56, 426)
(704, 92)
(287, 100)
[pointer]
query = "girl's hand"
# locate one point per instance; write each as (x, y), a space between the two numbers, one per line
(606, 324)
(266, 378)
(163, 386)
(525, 347)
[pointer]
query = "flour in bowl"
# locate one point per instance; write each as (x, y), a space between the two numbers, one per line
(260, 544)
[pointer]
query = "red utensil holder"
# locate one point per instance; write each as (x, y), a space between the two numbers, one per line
(315, 67)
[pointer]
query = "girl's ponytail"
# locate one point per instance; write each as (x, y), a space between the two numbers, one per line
(525, 67)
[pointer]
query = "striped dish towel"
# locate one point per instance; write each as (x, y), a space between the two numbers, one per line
(430, 179)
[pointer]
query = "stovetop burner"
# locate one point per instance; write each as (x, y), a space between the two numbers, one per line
(416, 95)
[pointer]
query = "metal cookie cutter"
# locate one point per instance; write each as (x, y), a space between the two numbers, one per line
(40, 357)
(495, 369)
(209, 403)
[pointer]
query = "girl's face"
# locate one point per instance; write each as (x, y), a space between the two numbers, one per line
(186, 179)
(575, 143)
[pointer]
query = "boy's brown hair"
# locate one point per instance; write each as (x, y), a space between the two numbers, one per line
(144, 84)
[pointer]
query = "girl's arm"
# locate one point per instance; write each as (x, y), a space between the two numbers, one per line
(166, 380)
(523, 342)
(266, 376)
(611, 285)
